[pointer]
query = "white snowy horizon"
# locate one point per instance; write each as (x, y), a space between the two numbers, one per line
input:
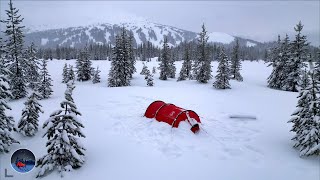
(257, 20)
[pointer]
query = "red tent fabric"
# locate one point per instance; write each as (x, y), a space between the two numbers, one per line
(172, 114)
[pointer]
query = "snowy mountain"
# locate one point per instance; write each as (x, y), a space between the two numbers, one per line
(143, 31)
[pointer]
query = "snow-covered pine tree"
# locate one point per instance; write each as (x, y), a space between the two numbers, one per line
(298, 48)
(307, 119)
(65, 73)
(280, 57)
(127, 66)
(79, 66)
(149, 78)
(154, 70)
(236, 62)
(65, 151)
(29, 122)
(32, 67)
(305, 80)
(71, 73)
(96, 76)
(6, 122)
(185, 71)
(15, 60)
(118, 71)
(202, 65)
(83, 66)
(131, 54)
(172, 67)
(144, 69)
(223, 72)
(164, 60)
(44, 85)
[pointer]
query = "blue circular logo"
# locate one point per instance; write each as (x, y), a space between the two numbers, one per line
(23, 160)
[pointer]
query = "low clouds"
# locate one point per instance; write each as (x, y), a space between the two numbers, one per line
(259, 20)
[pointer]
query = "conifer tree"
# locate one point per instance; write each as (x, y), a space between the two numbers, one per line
(236, 63)
(14, 52)
(44, 86)
(281, 56)
(118, 74)
(83, 65)
(131, 55)
(185, 71)
(127, 62)
(305, 80)
(298, 56)
(6, 122)
(71, 73)
(223, 72)
(154, 70)
(144, 69)
(202, 65)
(65, 151)
(164, 61)
(149, 78)
(306, 119)
(29, 122)
(32, 67)
(96, 76)
(65, 73)
(172, 67)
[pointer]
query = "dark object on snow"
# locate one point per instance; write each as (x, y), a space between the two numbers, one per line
(243, 117)
(172, 115)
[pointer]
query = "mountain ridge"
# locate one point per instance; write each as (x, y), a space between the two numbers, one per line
(104, 33)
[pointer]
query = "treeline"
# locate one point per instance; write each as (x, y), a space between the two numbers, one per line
(143, 52)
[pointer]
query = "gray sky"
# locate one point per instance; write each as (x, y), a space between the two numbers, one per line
(258, 20)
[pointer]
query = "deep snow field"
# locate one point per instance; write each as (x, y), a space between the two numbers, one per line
(122, 144)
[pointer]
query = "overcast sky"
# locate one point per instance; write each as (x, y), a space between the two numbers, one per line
(258, 20)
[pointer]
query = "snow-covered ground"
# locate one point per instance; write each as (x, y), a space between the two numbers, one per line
(122, 144)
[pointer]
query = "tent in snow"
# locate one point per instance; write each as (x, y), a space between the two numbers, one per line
(172, 115)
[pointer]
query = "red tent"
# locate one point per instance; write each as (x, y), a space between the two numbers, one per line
(172, 115)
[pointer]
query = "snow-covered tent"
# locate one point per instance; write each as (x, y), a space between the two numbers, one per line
(172, 115)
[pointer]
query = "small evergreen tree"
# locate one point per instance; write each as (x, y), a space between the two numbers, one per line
(223, 72)
(65, 151)
(71, 73)
(44, 86)
(96, 76)
(83, 65)
(172, 67)
(15, 59)
(185, 71)
(202, 65)
(236, 63)
(299, 48)
(164, 60)
(305, 80)
(131, 55)
(281, 55)
(65, 73)
(144, 69)
(6, 122)
(32, 67)
(149, 78)
(306, 119)
(119, 73)
(154, 70)
(29, 122)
